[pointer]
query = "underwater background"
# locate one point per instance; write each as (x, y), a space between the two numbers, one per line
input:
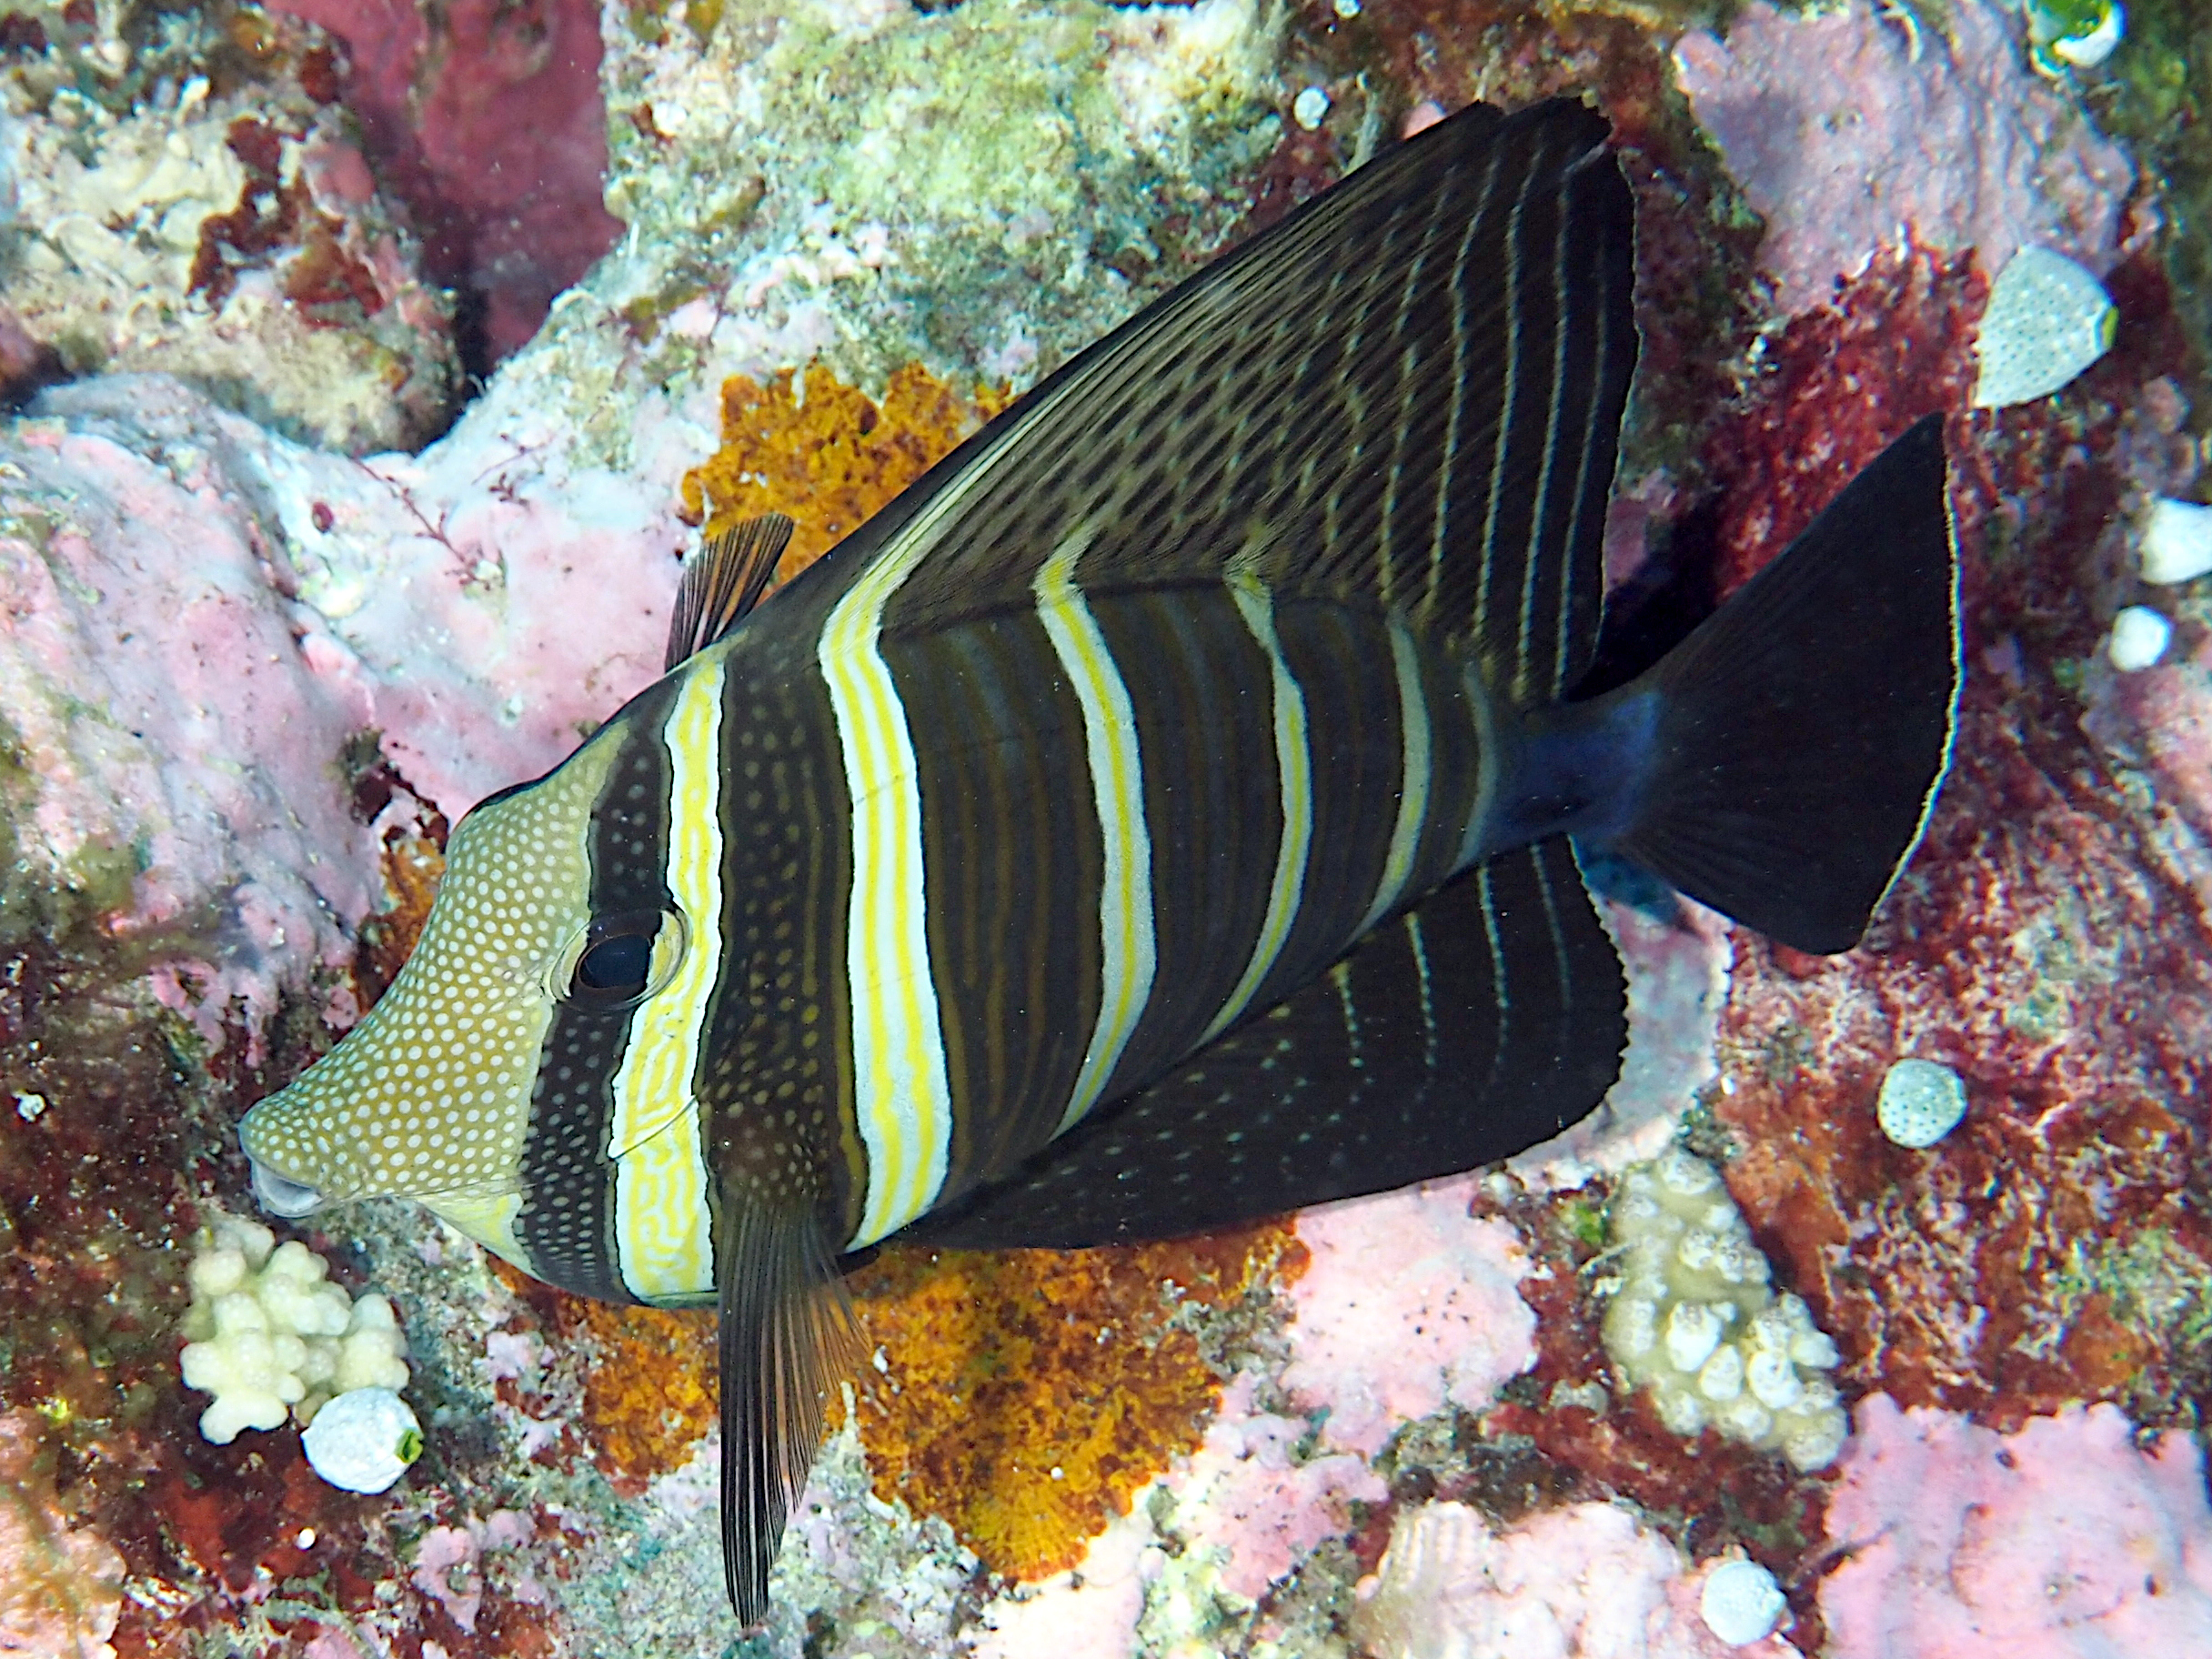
(369, 368)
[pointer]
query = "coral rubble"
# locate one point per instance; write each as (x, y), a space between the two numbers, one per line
(203, 213)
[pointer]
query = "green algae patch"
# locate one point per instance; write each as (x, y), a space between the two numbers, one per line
(2150, 94)
(38, 902)
(981, 190)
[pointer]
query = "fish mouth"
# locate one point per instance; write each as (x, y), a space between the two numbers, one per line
(279, 1196)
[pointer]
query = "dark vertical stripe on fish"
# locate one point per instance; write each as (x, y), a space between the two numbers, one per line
(566, 1220)
(776, 1079)
(1355, 738)
(1213, 802)
(1012, 855)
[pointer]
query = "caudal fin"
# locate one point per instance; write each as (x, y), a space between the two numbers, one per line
(1802, 730)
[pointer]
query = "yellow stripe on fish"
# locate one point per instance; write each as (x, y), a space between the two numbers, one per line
(901, 1098)
(663, 1226)
(1294, 775)
(1412, 777)
(1127, 948)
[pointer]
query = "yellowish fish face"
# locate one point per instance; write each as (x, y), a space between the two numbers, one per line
(430, 1096)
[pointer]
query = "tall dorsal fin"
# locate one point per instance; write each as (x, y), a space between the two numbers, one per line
(722, 582)
(1408, 391)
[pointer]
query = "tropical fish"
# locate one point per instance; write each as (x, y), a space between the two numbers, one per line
(1159, 816)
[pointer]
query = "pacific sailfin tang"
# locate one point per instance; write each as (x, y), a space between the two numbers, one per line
(1158, 817)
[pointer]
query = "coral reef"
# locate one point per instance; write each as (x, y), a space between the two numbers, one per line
(980, 189)
(150, 645)
(809, 445)
(485, 120)
(247, 679)
(207, 215)
(268, 1334)
(1952, 143)
(1408, 1306)
(1694, 1321)
(61, 1588)
(1585, 1579)
(1026, 1397)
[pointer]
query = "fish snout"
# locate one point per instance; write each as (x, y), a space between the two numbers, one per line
(280, 1195)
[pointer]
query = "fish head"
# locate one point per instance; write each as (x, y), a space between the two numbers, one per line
(431, 1096)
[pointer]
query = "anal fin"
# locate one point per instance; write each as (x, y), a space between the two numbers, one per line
(787, 1336)
(1484, 1020)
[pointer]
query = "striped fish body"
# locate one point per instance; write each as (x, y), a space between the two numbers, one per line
(1077, 839)
(1157, 818)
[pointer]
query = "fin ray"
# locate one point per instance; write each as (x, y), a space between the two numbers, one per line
(787, 1333)
(722, 582)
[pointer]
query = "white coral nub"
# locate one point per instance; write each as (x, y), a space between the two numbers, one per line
(1740, 1603)
(364, 1440)
(2177, 541)
(1696, 1321)
(269, 1335)
(2048, 319)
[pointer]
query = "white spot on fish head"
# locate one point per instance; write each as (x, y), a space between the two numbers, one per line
(430, 1094)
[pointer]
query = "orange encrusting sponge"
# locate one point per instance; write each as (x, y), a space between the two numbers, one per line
(1027, 1396)
(826, 452)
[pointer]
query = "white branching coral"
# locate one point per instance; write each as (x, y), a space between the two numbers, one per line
(1694, 1319)
(267, 1334)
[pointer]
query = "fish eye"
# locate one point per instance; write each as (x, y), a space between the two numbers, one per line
(621, 959)
(616, 966)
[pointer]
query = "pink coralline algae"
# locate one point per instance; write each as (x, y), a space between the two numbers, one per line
(60, 1590)
(1258, 1502)
(191, 641)
(167, 700)
(1584, 1581)
(1858, 129)
(1408, 1303)
(1089, 1613)
(485, 119)
(448, 1562)
(2060, 1541)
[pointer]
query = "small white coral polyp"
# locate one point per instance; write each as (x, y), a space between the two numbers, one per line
(268, 1334)
(1694, 1319)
